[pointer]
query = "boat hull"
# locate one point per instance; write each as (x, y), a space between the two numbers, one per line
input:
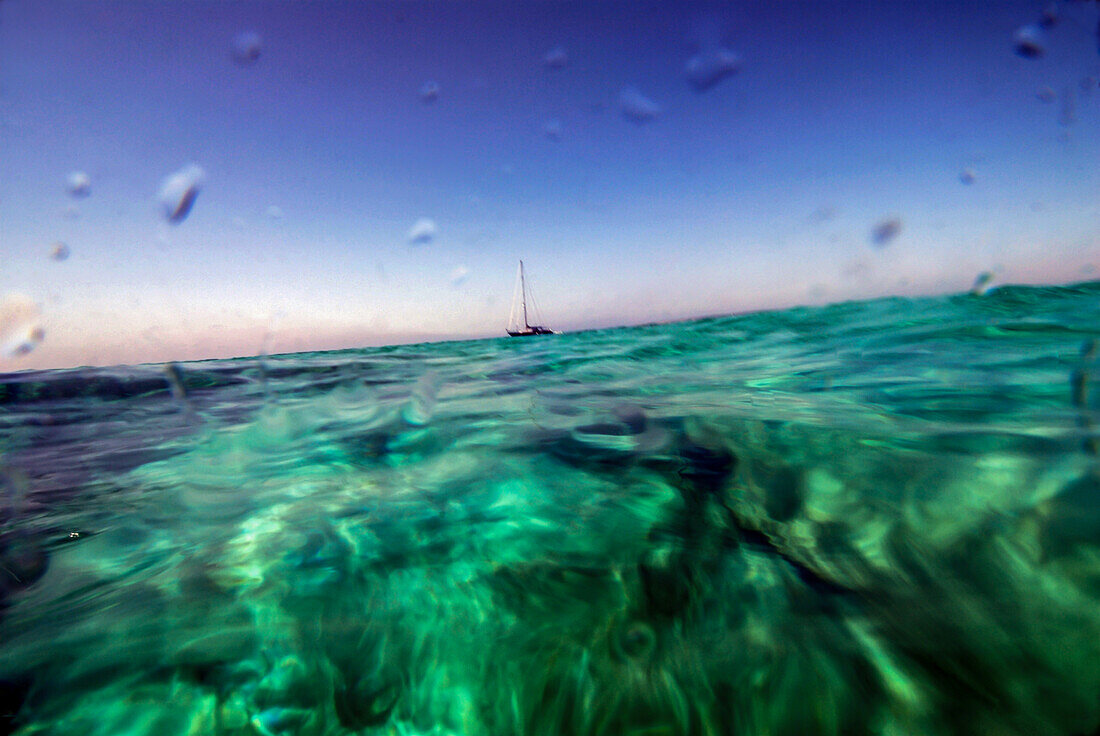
(532, 332)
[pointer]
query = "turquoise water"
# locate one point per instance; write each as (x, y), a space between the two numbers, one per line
(868, 518)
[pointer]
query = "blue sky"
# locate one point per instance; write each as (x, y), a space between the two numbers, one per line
(760, 192)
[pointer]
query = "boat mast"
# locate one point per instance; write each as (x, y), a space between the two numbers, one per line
(523, 290)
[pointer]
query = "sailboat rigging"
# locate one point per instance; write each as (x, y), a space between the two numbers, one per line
(514, 328)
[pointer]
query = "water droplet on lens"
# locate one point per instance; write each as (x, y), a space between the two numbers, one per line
(1049, 16)
(20, 328)
(821, 215)
(247, 46)
(552, 129)
(429, 93)
(636, 107)
(1068, 113)
(59, 251)
(708, 68)
(178, 192)
(459, 275)
(982, 284)
(422, 231)
(555, 58)
(885, 231)
(78, 184)
(1046, 94)
(967, 176)
(418, 412)
(1029, 41)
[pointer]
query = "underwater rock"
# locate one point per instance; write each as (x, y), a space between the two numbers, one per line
(618, 438)
(668, 589)
(633, 642)
(13, 694)
(322, 563)
(23, 562)
(224, 645)
(368, 701)
(783, 491)
(549, 586)
(291, 681)
(233, 713)
(1071, 520)
(707, 469)
(285, 722)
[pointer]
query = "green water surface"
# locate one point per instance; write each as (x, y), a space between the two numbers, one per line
(868, 518)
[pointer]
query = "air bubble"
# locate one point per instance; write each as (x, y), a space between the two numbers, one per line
(178, 192)
(636, 107)
(247, 46)
(20, 325)
(78, 184)
(423, 231)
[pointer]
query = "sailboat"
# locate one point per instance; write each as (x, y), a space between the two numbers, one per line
(514, 329)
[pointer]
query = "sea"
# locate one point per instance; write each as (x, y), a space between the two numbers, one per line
(877, 517)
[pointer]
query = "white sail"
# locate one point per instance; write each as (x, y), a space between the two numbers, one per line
(517, 297)
(519, 319)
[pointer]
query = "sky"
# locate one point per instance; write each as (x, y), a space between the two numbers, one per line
(320, 150)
